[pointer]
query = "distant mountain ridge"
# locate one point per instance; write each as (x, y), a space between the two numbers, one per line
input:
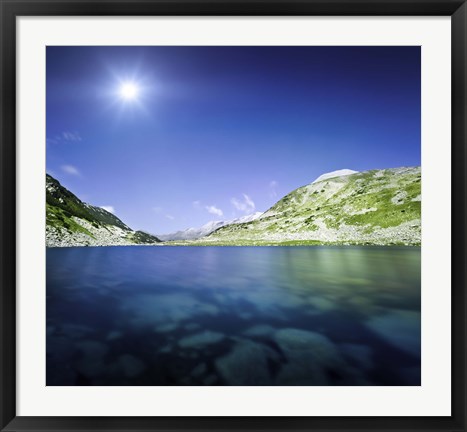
(380, 207)
(206, 229)
(71, 222)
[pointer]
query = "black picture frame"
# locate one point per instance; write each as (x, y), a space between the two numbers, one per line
(10, 9)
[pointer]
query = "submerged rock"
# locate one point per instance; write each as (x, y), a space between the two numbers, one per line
(313, 360)
(246, 364)
(291, 339)
(166, 349)
(362, 355)
(399, 328)
(164, 310)
(191, 326)
(199, 370)
(114, 335)
(76, 331)
(199, 340)
(260, 330)
(165, 328)
(308, 354)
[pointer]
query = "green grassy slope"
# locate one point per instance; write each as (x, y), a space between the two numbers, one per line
(71, 222)
(61, 198)
(372, 207)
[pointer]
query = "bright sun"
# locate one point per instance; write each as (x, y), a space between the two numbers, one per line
(129, 91)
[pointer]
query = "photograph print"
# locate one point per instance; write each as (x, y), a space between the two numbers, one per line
(233, 216)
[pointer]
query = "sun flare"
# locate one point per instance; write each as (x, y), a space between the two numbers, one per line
(129, 91)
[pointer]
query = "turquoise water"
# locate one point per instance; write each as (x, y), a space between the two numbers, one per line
(233, 316)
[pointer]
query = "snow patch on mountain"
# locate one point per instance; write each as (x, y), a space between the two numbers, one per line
(206, 229)
(338, 173)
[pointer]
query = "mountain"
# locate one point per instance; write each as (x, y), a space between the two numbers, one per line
(379, 207)
(71, 222)
(208, 228)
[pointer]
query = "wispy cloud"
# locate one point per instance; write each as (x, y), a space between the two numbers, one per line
(210, 208)
(110, 209)
(245, 205)
(161, 212)
(71, 136)
(214, 210)
(273, 188)
(70, 169)
(66, 136)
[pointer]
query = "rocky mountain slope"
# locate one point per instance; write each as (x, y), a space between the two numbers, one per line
(380, 207)
(206, 229)
(71, 222)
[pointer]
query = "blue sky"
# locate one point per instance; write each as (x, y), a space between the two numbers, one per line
(219, 132)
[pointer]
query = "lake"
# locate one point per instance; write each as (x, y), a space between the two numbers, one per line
(159, 315)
